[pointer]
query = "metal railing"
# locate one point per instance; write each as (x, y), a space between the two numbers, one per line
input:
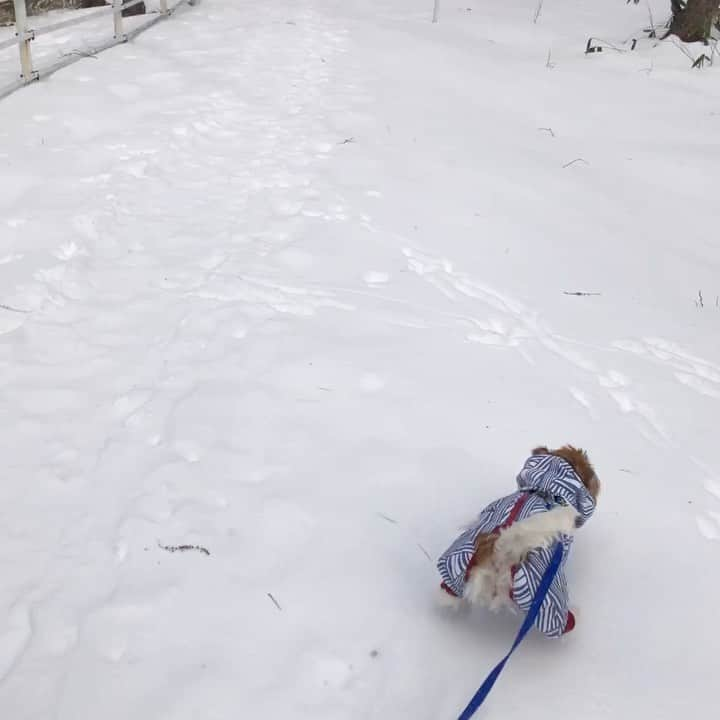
(25, 35)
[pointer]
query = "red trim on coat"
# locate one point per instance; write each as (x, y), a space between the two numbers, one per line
(512, 517)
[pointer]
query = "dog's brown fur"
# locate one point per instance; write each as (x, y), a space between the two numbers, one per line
(578, 458)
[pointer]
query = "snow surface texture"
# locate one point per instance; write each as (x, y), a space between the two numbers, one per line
(286, 281)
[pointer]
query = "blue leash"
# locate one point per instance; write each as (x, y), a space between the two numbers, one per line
(540, 595)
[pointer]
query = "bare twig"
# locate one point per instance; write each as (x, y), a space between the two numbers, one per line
(683, 50)
(184, 548)
(10, 308)
(576, 160)
(274, 601)
(652, 21)
(347, 141)
(425, 552)
(548, 64)
(548, 130)
(538, 12)
(590, 48)
(714, 51)
(81, 53)
(580, 293)
(386, 517)
(700, 302)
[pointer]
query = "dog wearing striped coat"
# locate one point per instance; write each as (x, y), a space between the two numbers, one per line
(500, 559)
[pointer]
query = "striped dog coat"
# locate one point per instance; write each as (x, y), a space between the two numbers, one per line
(551, 501)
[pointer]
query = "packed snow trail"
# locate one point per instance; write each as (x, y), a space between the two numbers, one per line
(287, 281)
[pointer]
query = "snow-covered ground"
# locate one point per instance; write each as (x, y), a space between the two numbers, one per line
(287, 280)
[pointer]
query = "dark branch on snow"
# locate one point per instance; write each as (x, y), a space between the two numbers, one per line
(184, 548)
(274, 601)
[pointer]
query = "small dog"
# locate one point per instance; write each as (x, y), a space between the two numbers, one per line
(500, 559)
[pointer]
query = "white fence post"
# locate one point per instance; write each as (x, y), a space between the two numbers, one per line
(118, 18)
(24, 35)
(24, 38)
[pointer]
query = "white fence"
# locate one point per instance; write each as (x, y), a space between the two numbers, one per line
(25, 34)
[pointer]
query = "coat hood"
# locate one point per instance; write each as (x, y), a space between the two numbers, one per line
(556, 477)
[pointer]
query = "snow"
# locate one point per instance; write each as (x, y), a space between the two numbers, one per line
(287, 281)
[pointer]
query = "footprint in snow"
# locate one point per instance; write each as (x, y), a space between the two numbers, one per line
(374, 277)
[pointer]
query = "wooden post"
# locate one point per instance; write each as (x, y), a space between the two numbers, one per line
(436, 11)
(21, 30)
(163, 7)
(117, 19)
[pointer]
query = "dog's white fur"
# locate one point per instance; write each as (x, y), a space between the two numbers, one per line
(489, 584)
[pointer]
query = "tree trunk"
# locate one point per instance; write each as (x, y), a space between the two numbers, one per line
(694, 22)
(36, 7)
(137, 10)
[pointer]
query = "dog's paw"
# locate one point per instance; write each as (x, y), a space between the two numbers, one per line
(447, 601)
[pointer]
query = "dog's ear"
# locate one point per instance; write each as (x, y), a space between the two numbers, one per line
(542, 450)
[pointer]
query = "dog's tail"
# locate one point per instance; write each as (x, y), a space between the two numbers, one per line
(510, 545)
(484, 548)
